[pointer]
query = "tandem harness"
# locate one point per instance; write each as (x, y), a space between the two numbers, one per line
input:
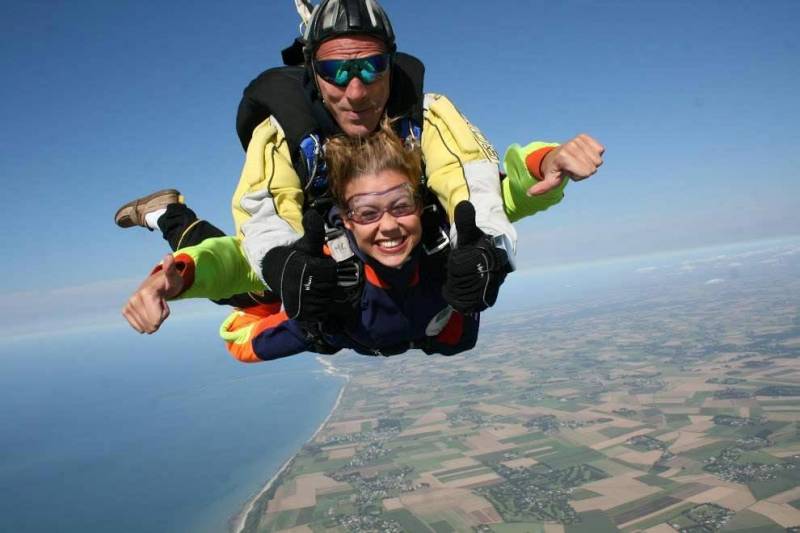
(289, 95)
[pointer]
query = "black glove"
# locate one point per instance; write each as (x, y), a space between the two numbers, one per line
(301, 275)
(476, 267)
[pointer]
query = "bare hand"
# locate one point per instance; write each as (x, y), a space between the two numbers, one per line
(147, 309)
(578, 159)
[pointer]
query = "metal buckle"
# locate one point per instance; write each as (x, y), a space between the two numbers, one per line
(443, 239)
(441, 243)
(338, 244)
(348, 273)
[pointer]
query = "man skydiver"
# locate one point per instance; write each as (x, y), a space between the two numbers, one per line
(352, 78)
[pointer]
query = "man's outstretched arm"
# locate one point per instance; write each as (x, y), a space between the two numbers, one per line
(537, 173)
(215, 268)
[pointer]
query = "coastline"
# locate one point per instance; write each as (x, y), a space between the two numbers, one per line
(239, 520)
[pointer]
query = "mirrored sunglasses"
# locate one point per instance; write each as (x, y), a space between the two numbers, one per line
(341, 71)
(367, 208)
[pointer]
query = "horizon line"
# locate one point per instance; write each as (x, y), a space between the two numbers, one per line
(89, 323)
(672, 251)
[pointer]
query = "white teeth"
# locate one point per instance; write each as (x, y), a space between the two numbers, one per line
(390, 244)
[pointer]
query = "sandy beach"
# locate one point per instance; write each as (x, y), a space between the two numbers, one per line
(240, 519)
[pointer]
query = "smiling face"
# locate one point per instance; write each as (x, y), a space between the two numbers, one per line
(356, 107)
(390, 239)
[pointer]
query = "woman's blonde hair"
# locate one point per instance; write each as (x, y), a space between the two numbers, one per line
(350, 157)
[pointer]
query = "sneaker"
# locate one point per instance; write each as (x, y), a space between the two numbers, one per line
(133, 213)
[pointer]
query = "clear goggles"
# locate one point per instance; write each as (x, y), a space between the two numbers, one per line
(369, 207)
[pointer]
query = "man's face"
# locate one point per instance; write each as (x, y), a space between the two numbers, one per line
(357, 107)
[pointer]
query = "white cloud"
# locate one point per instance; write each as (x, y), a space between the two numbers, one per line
(68, 300)
(90, 306)
(715, 281)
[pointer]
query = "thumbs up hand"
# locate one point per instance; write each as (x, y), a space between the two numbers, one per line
(301, 274)
(147, 309)
(475, 268)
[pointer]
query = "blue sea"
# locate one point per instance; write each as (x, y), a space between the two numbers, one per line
(113, 431)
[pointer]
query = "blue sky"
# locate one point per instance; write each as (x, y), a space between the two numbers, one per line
(101, 102)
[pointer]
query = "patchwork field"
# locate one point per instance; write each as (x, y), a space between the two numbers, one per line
(670, 411)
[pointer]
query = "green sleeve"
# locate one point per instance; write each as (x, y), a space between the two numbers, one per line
(220, 269)
(518, 180)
